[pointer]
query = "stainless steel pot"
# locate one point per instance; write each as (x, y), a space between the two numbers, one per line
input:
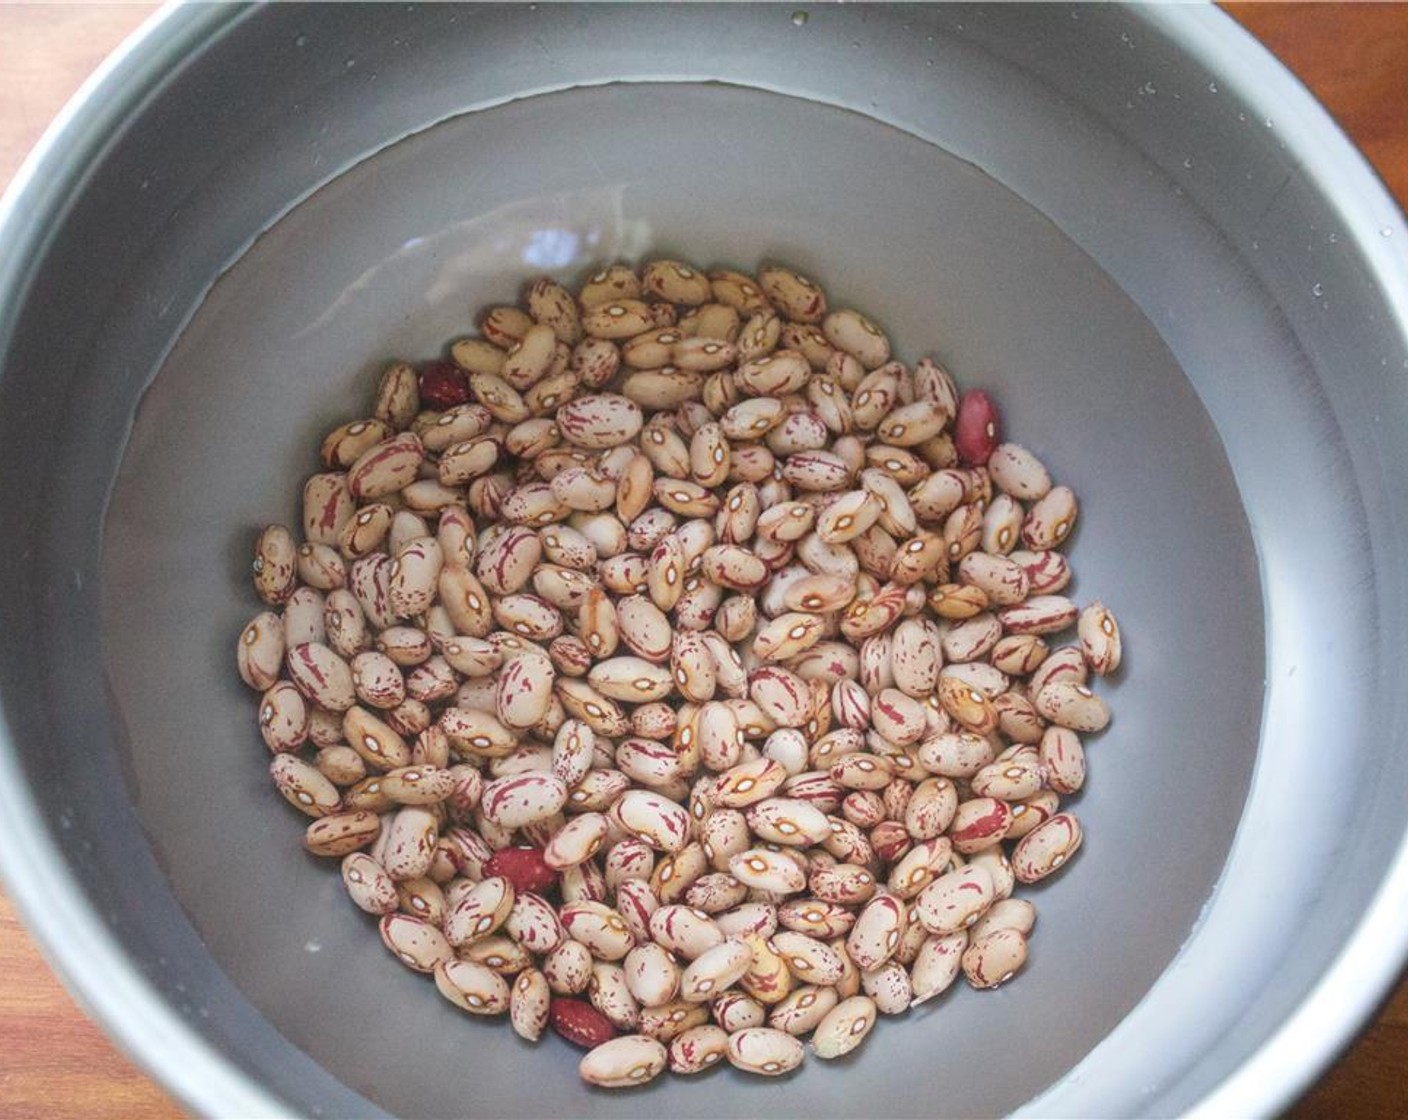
(1132, 225)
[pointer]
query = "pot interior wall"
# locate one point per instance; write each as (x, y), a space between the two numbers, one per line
(389, 261)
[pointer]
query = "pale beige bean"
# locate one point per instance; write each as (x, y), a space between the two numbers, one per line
(303, 786)
(815, 917)
(931, 808)
(584, 489)
(850, 515)
(816, 471)
(283, 718)
(764, 1050)
(877, 932)
(576, 842)
(803, 1008)
(1007, 913)
(715, 893)
(853, 333)
(1040, 614)
(633, 679)
(773, 375)
(414, 575)
(622, 1062)
(715, 970)
(1028, 814)
(343, 766)
(651, 349)
(1002, 526)
(937, 965)
(1009, 778)
(1018, 655)
(693, 667)
(608, 993)
(652, 974)
(418, 785)
(479, 911)
(409, 843)
(704, 353)
(260, 651)
(796, 297)
(471, 657)
(709, 456)
(844, 1027)
(698, 1048)
(617, 319)
(1016, 471)
(1074, 706)
(416, 944)
(573, 749)
(994, 958)
(1048, 570)
(1002, 579)
(912, 424)
(524, 691)
(599, 421)
(598, 790)
(1050, 520)
(980, 823)
(919, 867)
(685, 931)
(529, 1004)
(896, 716)
(378, 680)
(533, 923)
(1063, 758)
(1100, 638)
(916, 657)
(652, 817)
(955, 901)
(763, 870)
(344, 444)
(568, 968)
(386, 467)
(341, 833)
(614, 282)
(398, 396)
(808, 959)
(1046, 848)
(875, 395)
(788, 821)
(476, 732)
(370, 582)
(468, 459)
(736, 1010)
(327, 506)
(368, 885)
(472, 987)
(1065, 665)
(275, 566)
(507, 562)
(643, 626)
(379, 745)
(889, 987)
(320, 566)
(523, 799)
(548, 302)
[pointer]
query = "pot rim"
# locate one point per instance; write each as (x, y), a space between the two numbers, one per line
(113, 990)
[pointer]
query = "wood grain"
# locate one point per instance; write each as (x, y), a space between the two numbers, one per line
(56, 1065)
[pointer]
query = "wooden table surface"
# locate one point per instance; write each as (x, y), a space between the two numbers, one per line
(55, 1064)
